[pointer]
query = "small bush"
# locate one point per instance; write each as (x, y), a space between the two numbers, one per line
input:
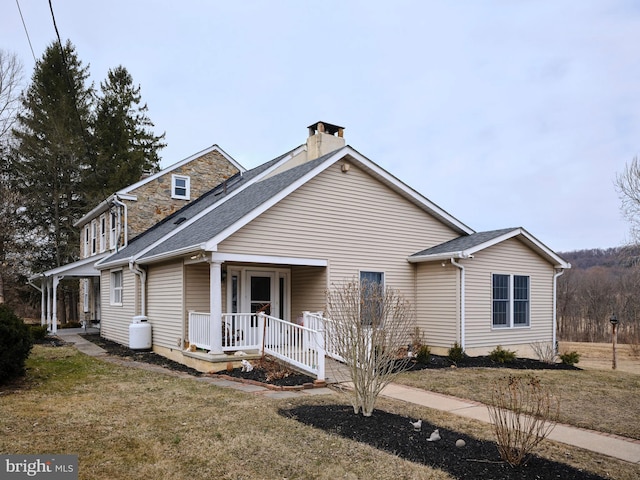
(38, 332)
(545, 351)
(423, 354)
(15, 344)
(570, 358)
(523, 413)
(501, 355)
(456, 353)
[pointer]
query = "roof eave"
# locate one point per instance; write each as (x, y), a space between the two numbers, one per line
(438, 257)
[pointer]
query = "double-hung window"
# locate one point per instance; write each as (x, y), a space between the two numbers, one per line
(180, 186)
(510, 297)
(116, 287)
(87, 241)
(113, 228)
(103, 233)
(94, 236)
(371, 297)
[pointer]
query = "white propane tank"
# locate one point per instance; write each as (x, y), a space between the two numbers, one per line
(140, 333)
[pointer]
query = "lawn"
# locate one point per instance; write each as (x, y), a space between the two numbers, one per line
(602, 400)
(127, 423)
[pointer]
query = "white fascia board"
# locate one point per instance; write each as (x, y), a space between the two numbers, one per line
(206, 211)
(84, 266)
(437, 257)
(539, 246)
(212, 245)
(168, 255)
(105, 263)
(236, 257)
(550, 254)
(103, 206)
(408, 191)
(179, 164)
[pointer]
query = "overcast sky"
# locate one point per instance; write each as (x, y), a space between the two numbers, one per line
(504, 113)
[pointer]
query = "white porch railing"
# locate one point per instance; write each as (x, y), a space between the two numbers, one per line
(315, 321)
(301, 346)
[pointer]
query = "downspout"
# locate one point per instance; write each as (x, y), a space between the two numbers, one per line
(143, 286)
(126, 231)
(558, 272)
(462, 302)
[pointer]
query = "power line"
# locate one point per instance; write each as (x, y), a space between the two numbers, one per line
(26, 31)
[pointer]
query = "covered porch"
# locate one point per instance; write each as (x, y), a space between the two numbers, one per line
(50, 281)
(257, 305)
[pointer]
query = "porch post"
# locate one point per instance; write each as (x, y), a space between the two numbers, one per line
(43, 305)
(215, 306)
(54, 320)
(48, 286)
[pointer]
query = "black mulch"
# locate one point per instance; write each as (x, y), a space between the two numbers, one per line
(258, 375)
(478, 459)
(436, 361)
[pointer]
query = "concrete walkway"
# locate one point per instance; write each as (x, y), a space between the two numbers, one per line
(611, 445)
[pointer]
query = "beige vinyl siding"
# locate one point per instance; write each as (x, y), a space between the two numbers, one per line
(438, 303)
(352, 220)
(197, 287)
(165, 303)
(509, 257)
(116, 319)
(196, 278)
(308, 285)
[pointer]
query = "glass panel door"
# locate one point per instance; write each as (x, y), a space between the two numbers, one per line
(260, 293)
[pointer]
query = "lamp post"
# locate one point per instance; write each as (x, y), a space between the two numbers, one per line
(614, 335)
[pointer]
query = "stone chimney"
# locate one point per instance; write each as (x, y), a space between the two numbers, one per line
(324, 138)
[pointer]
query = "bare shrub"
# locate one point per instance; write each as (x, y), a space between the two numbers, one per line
(523, 413)
(370, 328)
(544, 351)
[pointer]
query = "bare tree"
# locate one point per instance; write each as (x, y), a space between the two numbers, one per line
(628, 187)
(10, 83)
(369, 327)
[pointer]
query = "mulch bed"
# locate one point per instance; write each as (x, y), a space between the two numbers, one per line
(395, 434)
(260, 375)
(437, 362)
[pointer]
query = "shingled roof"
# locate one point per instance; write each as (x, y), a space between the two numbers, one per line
(467, 245)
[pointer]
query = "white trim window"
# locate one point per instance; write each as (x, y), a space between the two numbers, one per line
(85, 295)
(113, 228)
(103, 232)
(87, 233)
(180, 187)
(371, 297)
(510, 301)
(94, 237)
(117, 287)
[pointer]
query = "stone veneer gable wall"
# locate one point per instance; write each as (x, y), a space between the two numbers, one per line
(154, 198)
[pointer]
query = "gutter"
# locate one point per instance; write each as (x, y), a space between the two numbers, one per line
(558, 272)
(438, 257)
(463, 324)
(143, 286)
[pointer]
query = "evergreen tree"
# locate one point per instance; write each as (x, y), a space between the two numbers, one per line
(124, 142)
(52, 151)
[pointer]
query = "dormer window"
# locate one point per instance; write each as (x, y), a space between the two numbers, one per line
(180, 186)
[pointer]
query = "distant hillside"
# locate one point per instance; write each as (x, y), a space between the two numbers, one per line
(598, 257)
